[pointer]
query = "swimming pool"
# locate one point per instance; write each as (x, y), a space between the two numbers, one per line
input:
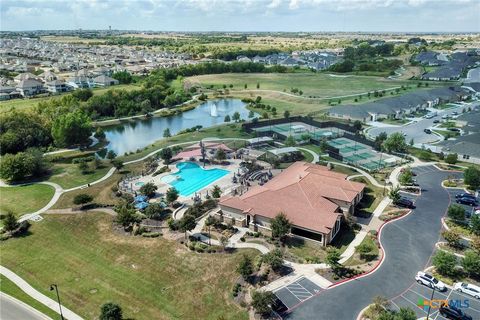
(139, 184)
(191, 177)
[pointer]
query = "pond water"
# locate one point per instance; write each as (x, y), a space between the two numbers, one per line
(141, 133)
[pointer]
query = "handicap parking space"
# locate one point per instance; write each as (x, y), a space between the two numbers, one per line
(415, 296)
(297, 291)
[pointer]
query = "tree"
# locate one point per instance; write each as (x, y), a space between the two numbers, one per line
(333, 258)
(118, 164)
(20, 166)
(220, 155)
(236, 116)
(82, 94)
(209, 222)
(166, 155)
(82, 198)
(125, 215)
(274, 259)
(290, 141)
(216, 192)
(223, 241)
(186, 223)
(471, 177)
(475, 244)
(172, 195)
(379, 140)
(280, 226)
(83, 167)
(258, 85)
(123, 77)
(445, 263)
(471, 263)
(148, 189)
(10, 222)
(475, 224)
(451, 158)
(406, 177)
(71, 128)
(456, 212)
(262, 301)
(265, 115)
(394, 194)
(99, 134)
(245, 267)
(452, 237)
(366, 250)
(227, 118)
(245, 86)
(286, 114)
(166, 133)
(111, 311)
(111, 155)
(155, 211)
(411, 143)
(251, 114)
(395, 143)
(357, 125)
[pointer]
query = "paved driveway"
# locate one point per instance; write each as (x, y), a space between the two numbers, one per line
(409, 244)
(11, 309)
(415, 130)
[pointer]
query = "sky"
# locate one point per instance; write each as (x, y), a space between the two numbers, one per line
(243, 15)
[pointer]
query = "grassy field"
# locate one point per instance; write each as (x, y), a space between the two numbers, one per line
(10, 288)
(69, 175)
(319, 85)
(25, 104)
(371, 198)
(149, 278)
(25, 199)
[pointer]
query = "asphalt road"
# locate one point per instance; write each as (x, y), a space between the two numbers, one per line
(408, 243)
(415, 130)
(12, 310)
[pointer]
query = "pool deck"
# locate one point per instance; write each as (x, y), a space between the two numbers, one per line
(225, 183)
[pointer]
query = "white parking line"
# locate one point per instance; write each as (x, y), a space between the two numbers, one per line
(298, 296)
(395, 304)
(412, 303)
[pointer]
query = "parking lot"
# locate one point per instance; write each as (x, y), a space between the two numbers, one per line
(414, 298)
(297, 291)
(468, 209)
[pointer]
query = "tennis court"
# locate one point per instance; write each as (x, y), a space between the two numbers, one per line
(298, 130)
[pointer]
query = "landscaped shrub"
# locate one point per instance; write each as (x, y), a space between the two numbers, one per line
(236, 289)
(151, 234)
(242, 239)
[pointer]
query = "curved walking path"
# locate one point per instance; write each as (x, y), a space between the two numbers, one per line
(28, 289)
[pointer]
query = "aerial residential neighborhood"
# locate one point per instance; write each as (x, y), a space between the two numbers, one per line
(240, 159)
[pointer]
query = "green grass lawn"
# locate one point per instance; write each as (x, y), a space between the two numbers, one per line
(312, 84)
(10, 288)
(149, 278)
(305, 250)
(68, 175)
(25, 199)
(371, 197)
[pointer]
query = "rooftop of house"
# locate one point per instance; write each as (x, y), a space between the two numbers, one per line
(304, 192)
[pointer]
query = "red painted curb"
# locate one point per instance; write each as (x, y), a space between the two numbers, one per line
(360, 275)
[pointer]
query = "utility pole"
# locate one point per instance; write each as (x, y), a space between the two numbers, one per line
(430, 304)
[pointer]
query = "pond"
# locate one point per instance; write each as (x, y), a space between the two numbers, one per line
(135, 135)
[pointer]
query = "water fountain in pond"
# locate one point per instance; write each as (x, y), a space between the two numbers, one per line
(213, 110)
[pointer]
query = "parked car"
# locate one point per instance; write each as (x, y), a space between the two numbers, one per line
(454, 113)
(430, 281)
(427, 131)
(406, 203)
(464, 195)
(469, 289)
(454, 129)
(454, 313)
(445, 116)
(436, 121)
(468, 201)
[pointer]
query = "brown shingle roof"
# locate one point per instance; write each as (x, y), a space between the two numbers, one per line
(304, 192)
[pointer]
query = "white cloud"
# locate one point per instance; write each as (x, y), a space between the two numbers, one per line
(274, 4)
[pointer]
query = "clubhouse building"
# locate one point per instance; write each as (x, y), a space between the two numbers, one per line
(312, 197)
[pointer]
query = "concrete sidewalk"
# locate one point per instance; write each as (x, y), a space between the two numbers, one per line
(40, 297)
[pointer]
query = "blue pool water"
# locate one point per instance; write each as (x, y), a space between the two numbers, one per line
(191, 177)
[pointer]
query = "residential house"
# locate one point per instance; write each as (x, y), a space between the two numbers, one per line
(104, 81)
(57, 86)
(29, 87)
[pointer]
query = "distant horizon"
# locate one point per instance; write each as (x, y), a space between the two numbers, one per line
(251, 32)
(376, 16)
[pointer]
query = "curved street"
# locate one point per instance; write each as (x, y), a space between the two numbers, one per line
(12, 309)
(408, 246)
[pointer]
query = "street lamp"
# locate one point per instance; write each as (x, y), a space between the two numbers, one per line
(54, 287)
(430, 304)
